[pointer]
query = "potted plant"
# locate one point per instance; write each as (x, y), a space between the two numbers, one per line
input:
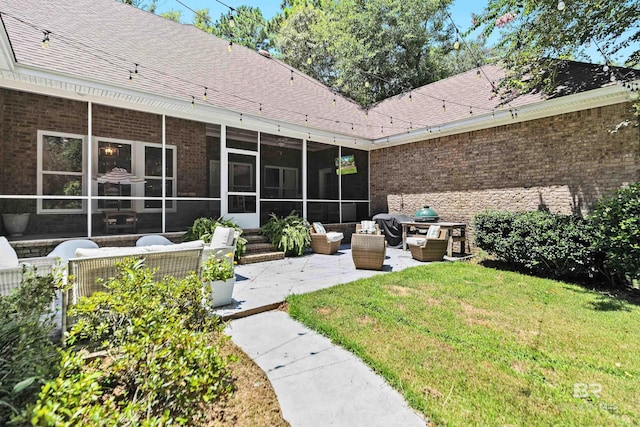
(15, 215)
(218, 279)
(289, 234)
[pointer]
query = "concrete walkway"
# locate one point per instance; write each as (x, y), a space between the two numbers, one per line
(317, 383)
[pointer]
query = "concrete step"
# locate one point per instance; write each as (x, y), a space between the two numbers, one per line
(255, 238)
(261, 257)
(258, 248)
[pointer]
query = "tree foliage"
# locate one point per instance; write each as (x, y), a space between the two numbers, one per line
(245, 26)
(366, 50)
(534, 34)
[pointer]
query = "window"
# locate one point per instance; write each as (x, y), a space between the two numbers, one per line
(280, 182)
(143, 162)
(61, 171)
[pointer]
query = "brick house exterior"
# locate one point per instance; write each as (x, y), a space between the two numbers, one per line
(456, 146)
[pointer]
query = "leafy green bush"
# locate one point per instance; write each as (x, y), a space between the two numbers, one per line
(28, 357)
(544, 243)
(289, 234)
(161, 355)
(202, 229)
(616, 227)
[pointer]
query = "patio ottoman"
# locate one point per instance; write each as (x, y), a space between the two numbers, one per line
(368, 251)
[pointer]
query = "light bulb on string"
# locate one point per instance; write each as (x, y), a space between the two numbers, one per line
(135, 70)
(444, 107)
(366, 84)
(561, 5)
(260, 109)
(291, 79)
(45, 38)
(478, 74)
(605, 68)
(204, 95)
(470, 110)
(309, 60)
(456, 44)
(240, 118)
(130, 76)
(334, 101)
(193, 101)
(232, 22)
(230, 47)
(306, 118)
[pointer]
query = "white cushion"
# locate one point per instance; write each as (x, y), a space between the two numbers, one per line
(222, 236)
(415, 241)
(334, 236)
(110, 251)
(8, 256)
(368, 226)
(434, 232)
(194, 244)
(319, 228)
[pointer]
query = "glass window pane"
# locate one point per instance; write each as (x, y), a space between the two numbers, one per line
(115, 191)
(153, 161)
(242, 173)
(113, 155)
(62, 154)
(242, 204)
(213, 155)
(62, 185)
(281, 158)
(153, 188)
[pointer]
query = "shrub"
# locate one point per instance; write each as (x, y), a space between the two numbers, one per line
(616, 228)
(28, 358)
(202, 229)
(289, 234)
(547, 244)
(162, 356)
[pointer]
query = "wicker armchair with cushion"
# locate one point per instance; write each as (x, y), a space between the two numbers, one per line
(368, 246)
(12, 268)
(323, 242)
(432, 247)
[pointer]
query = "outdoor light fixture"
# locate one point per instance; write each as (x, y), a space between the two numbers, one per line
(45, 38)
(560, 5)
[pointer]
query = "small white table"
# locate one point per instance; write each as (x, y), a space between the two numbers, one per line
(450, 226)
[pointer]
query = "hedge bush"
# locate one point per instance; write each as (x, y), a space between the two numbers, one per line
(616, 228)
(544, 243)
(158, 358)
(28, 357)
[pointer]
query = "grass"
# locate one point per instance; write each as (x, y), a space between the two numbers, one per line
(470, 345)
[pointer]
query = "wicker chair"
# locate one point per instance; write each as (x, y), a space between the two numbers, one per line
(11, 277)
(429, 249)
(85, 271)
(325, 243)
(368, 250)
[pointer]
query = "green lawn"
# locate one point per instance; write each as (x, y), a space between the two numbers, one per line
(469, 345)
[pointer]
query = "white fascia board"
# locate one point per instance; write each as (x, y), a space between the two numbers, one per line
(7, 58)
(35, 80)
(609, 95)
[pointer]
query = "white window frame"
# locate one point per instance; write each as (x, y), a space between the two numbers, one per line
(82, 174)
(280, 186)
(138, 169)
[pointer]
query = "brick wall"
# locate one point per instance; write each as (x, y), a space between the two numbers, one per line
(564, 163)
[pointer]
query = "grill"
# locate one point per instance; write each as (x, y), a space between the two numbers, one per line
(426, 214)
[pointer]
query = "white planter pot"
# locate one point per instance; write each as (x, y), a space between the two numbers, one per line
(221, 291)
(15, 224)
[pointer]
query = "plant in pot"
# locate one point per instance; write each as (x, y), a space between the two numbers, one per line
(203, 228)
(218, 279)
(289, 234)
(15, 215)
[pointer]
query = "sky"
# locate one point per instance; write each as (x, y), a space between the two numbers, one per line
(460, 10)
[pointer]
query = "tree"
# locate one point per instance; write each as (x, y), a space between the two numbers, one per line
(367, 50)
(244, 26)
(534, 34)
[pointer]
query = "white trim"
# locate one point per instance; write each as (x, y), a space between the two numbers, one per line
(40, 172)
(7, 57)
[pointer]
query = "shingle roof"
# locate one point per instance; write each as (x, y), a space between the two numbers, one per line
(102, 40)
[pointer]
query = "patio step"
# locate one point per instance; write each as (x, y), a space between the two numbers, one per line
(259, 248)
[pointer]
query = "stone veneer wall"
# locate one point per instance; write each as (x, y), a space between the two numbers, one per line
(563, 163)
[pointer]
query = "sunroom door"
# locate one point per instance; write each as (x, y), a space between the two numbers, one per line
(242, 195)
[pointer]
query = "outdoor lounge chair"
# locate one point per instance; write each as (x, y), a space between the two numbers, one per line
(12, 269)
(430, 248)
(323, 242)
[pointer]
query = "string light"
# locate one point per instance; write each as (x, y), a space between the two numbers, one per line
(291, 80)
(306, 118)
(240, 118)
(561, 5)
(605, 68)
(130, 75)
(45, 38)
(135, 71)
(204, 95)
(410, 97)
(232, 22)
(366, 84)
(230, 47)
(391, 120)
(456, 45)
(470, 110)
(193, 101)
(260, 109)
(444, 107)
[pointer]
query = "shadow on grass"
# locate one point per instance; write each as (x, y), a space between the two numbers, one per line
(608, 299)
